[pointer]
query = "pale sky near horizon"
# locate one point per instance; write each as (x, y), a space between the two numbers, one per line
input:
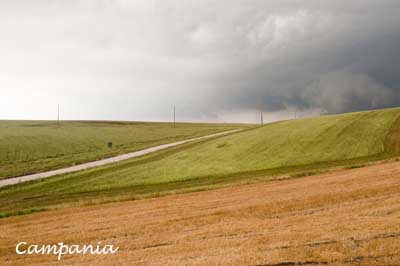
(215, 61)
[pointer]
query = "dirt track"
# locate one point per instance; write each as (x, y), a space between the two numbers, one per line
(349, 217)
(115, 159)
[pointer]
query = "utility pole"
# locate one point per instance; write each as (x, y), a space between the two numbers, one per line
(261, 117)
(58, 114)
(174, 115)
(261, 113)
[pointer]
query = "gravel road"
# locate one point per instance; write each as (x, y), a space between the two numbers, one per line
(79, 167)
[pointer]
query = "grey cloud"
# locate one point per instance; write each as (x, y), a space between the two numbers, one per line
(343, 91)
(135, 59)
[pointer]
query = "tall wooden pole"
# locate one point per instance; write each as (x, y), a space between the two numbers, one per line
(262, 117)
(174, 115)
(58, 114)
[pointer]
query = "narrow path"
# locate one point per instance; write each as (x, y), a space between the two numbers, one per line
(79, 167)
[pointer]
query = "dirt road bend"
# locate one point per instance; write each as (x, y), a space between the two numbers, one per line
(79, 167)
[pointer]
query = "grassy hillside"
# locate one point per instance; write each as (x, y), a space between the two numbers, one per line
(288, 147)
(35, 146)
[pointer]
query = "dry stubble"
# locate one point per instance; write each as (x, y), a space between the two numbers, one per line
(347, 217)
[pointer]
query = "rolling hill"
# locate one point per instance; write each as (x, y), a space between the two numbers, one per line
(290, 148)
(36, 146)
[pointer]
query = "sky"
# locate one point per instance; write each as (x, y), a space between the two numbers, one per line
(217, 61)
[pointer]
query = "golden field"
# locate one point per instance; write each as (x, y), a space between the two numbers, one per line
(344, 217)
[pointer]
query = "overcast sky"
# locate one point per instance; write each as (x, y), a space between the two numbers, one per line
(215, 60)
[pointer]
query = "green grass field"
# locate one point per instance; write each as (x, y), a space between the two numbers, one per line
(294, 147)
(35, 146)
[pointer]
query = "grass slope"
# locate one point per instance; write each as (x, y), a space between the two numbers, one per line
(287, 147)
(35, 146)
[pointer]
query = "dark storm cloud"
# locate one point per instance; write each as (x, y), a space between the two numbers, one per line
(350, 61)
(135, 59)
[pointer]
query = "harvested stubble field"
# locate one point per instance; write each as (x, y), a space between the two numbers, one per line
(346, 217)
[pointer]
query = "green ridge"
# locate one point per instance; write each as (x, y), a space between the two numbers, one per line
(294, 147)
